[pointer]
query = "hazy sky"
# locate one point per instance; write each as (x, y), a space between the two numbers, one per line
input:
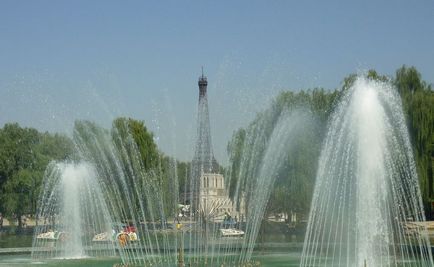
(67, 60)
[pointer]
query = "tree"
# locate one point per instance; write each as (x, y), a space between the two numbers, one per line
(16, 195)
(24, 155)
(418, 103)
(143, 139)
(295, 180)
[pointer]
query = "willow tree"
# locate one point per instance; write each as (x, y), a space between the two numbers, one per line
(418, 103)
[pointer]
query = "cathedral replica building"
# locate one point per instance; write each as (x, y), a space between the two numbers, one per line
(214, 199)
(209, 195)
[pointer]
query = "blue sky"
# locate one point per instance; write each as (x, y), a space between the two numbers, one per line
(67, 60)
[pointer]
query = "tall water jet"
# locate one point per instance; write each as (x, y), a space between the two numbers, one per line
(134, 194)
(366, 189)
(72, 210)
(282, 142)
(259, 156)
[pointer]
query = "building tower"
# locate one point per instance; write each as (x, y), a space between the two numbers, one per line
(203, 160)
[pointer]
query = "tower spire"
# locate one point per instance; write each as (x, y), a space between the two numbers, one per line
(203, 160)
(203, 83)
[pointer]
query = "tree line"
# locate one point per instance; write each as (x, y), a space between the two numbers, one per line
(25, 154)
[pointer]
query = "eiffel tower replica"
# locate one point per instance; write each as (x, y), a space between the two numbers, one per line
(203, 160)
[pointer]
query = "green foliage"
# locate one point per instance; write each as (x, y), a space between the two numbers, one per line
(151, 174)
(17, 192)
(144, 140)
(24, 155)
(295, 181)
(418, 103)
(235, 149)
(373, 75)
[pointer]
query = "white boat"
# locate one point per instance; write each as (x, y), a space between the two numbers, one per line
(231, 232)
(105, 237)
(102, 237)
(52, 235)
(420, 228)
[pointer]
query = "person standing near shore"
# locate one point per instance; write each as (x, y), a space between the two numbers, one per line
(1, 221)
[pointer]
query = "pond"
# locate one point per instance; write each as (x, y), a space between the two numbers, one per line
(269, 259)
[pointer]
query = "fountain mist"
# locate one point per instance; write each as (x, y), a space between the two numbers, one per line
(366, 188)
(73, 210)
(267, 144)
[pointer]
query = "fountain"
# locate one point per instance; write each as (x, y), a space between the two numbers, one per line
(109, 202)
(366, 193)
(111, 186)
(137, 199)
(268, 143)
(72, 210)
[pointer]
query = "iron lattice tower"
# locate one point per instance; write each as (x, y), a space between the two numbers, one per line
(203, 160)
